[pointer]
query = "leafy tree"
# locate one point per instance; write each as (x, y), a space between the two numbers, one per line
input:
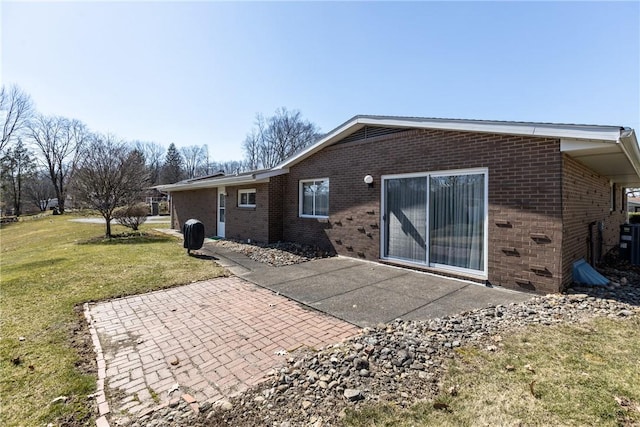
(15, 168)
(110, 175)
(278, 137)
(15, 110)
(60, 143)
(172, 170)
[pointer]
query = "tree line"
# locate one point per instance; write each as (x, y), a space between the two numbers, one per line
(46, 157)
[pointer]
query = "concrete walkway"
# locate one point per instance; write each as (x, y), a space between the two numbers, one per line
(364, 293)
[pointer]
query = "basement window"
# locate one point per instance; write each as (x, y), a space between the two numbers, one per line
(247, 198)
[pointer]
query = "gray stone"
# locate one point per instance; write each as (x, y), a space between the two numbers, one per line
(59, 399)
(353, 395)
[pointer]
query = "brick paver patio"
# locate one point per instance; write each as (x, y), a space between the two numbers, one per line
(213, 339)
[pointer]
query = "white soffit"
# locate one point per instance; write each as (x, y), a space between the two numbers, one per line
(606, 158)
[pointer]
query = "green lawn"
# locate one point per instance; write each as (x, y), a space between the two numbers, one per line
(47, 267)
(571, 375)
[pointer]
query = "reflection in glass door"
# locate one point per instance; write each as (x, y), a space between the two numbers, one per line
(221, 210)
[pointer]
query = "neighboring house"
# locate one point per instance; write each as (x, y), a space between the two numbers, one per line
(504, 203)
(633, 204)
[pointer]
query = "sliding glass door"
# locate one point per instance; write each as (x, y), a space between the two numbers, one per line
(406, 215)
(437, 219)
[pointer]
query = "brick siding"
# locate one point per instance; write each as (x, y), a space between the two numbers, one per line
(196, 204)
(248, 223)
(277, 186)
(524, 197)
(586, 198)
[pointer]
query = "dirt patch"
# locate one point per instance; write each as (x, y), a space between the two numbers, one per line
(80, 340)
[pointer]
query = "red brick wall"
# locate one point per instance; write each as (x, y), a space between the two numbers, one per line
(276, 207)
(524, 197)
(248, 223)
(586, 198)
(195, 204)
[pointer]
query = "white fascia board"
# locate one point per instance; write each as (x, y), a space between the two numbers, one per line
(230, 181)
(583, 132)
(271, 173)
(601, 133)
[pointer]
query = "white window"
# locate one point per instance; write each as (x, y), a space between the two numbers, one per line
(247, 198)
(314, 198)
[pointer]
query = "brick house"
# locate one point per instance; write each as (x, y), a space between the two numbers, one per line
(503, 203)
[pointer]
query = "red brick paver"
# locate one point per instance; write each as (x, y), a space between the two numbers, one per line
(213, 339)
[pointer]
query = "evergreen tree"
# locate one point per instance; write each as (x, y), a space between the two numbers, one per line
(16, 166)
(173, 169)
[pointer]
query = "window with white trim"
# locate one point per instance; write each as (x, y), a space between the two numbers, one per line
(247, 198)
(314, 198)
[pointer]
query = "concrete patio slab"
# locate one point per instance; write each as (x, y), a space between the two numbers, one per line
(423, 286)
(268, 276)
(369, 305)
(367, 293)
(317, 288)
(318, 266)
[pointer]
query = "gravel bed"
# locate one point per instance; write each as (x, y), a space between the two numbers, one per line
(275, 254)
(400, 362)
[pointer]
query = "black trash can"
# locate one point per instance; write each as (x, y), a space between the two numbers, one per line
(193, 232)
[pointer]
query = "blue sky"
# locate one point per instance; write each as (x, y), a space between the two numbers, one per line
(197, 73)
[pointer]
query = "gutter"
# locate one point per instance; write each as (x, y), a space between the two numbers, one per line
(629, 144)
(254, 178)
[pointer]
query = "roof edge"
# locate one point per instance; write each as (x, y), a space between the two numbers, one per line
(219, 181)
(554, 130)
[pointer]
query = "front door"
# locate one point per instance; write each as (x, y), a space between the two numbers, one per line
(221, 210)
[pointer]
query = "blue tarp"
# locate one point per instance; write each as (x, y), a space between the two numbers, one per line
(584, 274)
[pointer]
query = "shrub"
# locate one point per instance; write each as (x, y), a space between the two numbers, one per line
(634, 217)
(132, 216)
(163, 208)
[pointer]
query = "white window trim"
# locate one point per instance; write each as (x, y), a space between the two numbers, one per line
(246, 191)
(300, 197)
(474, 171)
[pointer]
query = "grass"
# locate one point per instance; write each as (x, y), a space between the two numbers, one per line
(47, 267)
(570, 375)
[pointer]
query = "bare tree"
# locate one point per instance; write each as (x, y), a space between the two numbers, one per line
(39, 189)
(231, 167)
(278, 137)
(60, 143)
(195, 157)
(153, 153)
(111, 175)
(15, 168)
(15, 110)
(251, 148)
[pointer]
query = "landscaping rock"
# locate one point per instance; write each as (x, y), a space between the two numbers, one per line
(399, 363)
(353, 395)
